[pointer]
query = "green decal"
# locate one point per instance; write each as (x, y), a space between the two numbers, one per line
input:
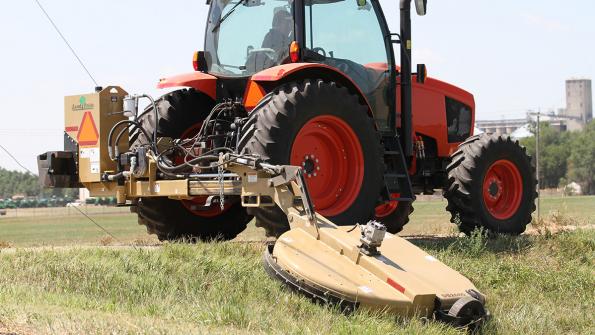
(82, 104)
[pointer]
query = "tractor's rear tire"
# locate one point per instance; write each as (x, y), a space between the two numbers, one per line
(170, 220)
(491, 184)
(324, 128)
(179, 112)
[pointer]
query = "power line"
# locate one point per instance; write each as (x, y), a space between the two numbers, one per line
(100, 226)
(66, 41)
(16, 160)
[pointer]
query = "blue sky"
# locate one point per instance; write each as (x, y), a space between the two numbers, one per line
(512, 55)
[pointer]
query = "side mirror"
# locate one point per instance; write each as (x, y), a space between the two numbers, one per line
(199, 62)
(422, 73)
(421, 7)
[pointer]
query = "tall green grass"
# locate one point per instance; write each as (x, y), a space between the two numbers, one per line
(535, 285)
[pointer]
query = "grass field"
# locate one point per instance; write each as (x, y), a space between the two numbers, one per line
(538, 284)
(66, 226)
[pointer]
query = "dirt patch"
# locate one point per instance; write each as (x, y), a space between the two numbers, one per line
(11, 329)
(555, 223)
(553, 229)
(107, 240)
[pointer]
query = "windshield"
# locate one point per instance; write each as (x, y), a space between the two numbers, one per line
(247, 36)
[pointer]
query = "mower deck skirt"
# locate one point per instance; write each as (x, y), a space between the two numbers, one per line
(403, 279)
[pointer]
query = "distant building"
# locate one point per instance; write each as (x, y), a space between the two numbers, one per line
(578, 112)
(520, 128)
(522, 132)
(500, 127)
(579, 103)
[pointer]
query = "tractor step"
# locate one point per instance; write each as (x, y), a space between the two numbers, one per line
(396, 178)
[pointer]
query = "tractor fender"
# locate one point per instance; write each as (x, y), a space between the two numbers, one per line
(200, 81)
(266, 80)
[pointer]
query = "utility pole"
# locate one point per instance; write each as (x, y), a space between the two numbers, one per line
(537, 150)
(537, 163)
(530, 112)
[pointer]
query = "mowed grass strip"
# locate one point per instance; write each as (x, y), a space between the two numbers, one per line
(535, 285)
(431, 217)
(65, 226)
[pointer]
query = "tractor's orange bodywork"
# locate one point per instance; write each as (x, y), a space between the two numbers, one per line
(200, 81)
(429, 118)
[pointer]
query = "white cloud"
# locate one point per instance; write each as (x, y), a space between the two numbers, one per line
(548, 24)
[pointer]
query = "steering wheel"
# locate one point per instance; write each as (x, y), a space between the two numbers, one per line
(318, 50)
(222, 68)
(344, 67)
(268, 51)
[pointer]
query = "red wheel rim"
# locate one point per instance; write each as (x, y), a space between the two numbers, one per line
(502, 189)
(387, 208)
(331, 155)
(196, 205)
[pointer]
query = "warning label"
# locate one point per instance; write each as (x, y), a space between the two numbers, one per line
(93, 155)
(88, 134)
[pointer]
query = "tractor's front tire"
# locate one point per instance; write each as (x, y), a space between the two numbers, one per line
(326, 129)
(394, 215)
(180, 115)
(491, 184)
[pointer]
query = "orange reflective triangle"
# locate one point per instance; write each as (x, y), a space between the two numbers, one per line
(88, 134)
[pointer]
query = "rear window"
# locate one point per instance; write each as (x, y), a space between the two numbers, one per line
(458, 119)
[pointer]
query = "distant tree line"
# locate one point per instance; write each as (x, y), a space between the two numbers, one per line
(18, 183)
(565, 157)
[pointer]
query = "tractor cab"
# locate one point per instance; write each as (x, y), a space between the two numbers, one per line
(245, 37)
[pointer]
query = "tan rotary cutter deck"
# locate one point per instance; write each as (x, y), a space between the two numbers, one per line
(403, 278)
(352, 267)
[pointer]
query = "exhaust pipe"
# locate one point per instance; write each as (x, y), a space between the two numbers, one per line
(406, 64)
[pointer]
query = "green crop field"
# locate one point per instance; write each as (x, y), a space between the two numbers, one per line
(536, 284)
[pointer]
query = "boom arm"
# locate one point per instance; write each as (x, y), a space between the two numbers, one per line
(267, 185)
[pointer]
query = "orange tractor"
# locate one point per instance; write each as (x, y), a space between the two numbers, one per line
(315, 84)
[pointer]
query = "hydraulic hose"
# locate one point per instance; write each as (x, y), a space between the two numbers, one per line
(156, 120)
(111, 134)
